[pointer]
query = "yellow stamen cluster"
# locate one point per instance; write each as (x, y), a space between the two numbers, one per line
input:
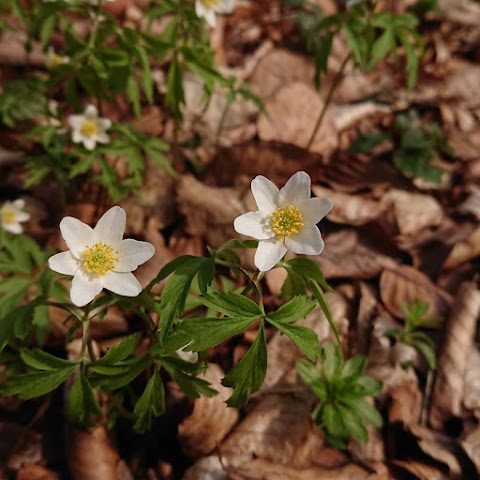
(8, 216)
(99, 259)
(211, 3)
(286, 221)
(89, 128)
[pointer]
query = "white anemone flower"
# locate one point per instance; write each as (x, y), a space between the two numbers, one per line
(12, 214)
(285, 220)
(98, 257)
(89, 128)
(207, 9)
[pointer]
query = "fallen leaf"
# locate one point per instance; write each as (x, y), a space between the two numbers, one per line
(292, 114)
(459, 335)
(421, 470)
(36, 472)
(471, 446)
(464, 251)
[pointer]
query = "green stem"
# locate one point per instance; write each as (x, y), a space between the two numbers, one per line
(221, 122)
(333, 87)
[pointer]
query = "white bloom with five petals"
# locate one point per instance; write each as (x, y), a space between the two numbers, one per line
(12, 214)
(285, 220)
(99, 257)
(207, 9)
(89, 128)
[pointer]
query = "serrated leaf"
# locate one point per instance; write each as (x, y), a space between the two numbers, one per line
(353, 424)
(311, 376)
(82, 404)
(118, 352)
(232, 304)
(366, 412)
(248, 375)
(41, 360)
(150, 404)
(298, 307)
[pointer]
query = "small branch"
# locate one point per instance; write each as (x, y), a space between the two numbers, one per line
(333, 87)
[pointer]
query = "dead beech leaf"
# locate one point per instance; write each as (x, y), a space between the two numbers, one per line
(350, 209)
(472, 203)
(292, 114)
(438, 446)
(210, 421)
(209, 211)
(36, 472)
(459, 83)
(460, 328)
(346, 256)
(464, 251)
(346, 116)
(421, 471)
(414, 211)
(91, 456)
(405, 284)
(260, 469)
(277, 69)
(207, 468)
(471, 399)
(471, 446)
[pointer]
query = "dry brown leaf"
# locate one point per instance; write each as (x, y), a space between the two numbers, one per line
(471, 399)
(209, 211)
(438, 446)
(25, 445)
(346, 116)
(465, 12)
(350, 209)
(91, 456)
(277, 69)
(460, 328)
(210, 421)
(414, 211)
(472, 203)
(471, 445)
(464, 251)
(12, 50)
(36, 472)
(292, 114)
(346, 256)
(421, 470)
(260, 469)
(207, 468)
(406, 284)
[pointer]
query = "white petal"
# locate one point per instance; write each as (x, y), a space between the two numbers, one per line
(253, 224)
(19, 203)
(265, 194)
(295, 190)
(122, 283)
(314, 209)
(75, 121)
(77, 137)
(77, 235)
(111, 226)
(210, 18)
(225, 6)
(307, 241)
(190, 357)
(23, 216)
(268, 253)
(14, 228)
(64, 262)
(105, 123)
(85, 288)
(91, 111)
(133, 253)
(102, 138)
(89, 142)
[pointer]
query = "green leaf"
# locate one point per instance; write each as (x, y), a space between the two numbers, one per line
(366, 412)
(118, 352)
(332, 420)
(150, 404)
(35, 384)
(202, 333)
(248, 375)
(304, 338)
(82, 404)
(322, 301)
(353, 424)
(383, 45)
(307, 269)
(133, 95)
(354, 367)
(333, 361)
(298, 307)
(232, 304)
(41, 360)
(368, 385)
(428, 353)
(175, 96)
(311, 376)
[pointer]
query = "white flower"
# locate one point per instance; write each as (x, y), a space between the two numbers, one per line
(190, 357)
(98, 257)
(89, 128)
(208, 8)
(285, 220)
(12, 215)
(53, 59)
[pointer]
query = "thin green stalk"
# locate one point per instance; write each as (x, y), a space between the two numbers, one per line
(333, 87)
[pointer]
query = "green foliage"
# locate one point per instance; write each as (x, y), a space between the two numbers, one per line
(341, 388)
(413, 333)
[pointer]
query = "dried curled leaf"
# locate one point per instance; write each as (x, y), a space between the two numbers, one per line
(210, 421)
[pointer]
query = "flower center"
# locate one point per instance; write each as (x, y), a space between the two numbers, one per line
(99, 259)
(89, 128)
(8, 216)
(211, 3)
(286, 221)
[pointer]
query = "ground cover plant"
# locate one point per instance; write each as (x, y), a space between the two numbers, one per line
(239, 239)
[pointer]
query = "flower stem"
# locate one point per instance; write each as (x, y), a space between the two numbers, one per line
(333, 87)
